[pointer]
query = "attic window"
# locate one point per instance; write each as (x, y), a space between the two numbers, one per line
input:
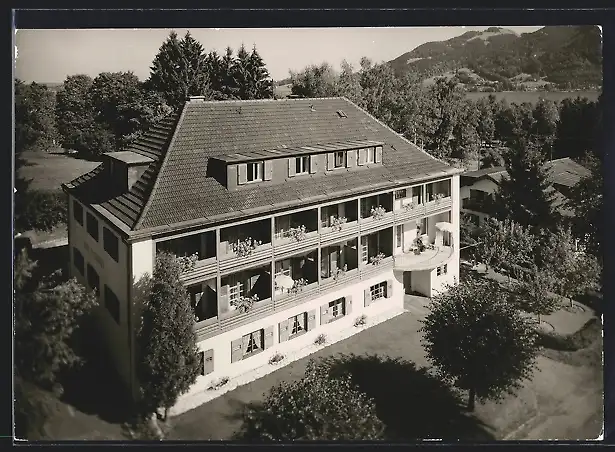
(342, 114)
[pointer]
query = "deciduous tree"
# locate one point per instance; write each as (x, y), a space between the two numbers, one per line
(316, 407)
(168, 362)
(479, 342)
(75, 114)
(314, 81)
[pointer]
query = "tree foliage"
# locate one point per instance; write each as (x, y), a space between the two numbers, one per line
(533, 291)
(319, 406)
(35, 123)
(47, 318)
(579, 129)
(526, 195)
(314, 81)
(39, 210)
(168, 361)
(478, 341)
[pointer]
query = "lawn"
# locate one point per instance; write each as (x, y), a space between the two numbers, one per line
(49, 170)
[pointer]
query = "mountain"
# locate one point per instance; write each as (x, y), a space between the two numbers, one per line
(565, 57)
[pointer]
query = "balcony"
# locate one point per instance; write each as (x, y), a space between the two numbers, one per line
(338, 263)
(201, 246)
(376, 212)
(338, 221)
(244, 246)
(426, 260)
(295, 232)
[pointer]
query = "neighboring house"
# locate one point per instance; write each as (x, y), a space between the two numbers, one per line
(299, 177)
(477, 186)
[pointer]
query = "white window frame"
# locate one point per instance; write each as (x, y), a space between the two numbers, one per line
(398, 192)
(250, 168)
(302, 164)
(235, 291)
(378, 291)
(364, 249)
(338, 308)
(344, 157)
(258, 345)
(300, 321)
(370, 155)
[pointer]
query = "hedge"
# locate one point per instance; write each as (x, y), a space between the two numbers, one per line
(571, 342)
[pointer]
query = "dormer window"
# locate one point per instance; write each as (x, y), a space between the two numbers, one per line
(255, 171)
(302, 165)
(340, 159)
(370, 155)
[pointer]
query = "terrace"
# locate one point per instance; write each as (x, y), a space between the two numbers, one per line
(295, 230)
(338, 262)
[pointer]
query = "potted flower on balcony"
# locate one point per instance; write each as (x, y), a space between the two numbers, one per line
(410, 206)
(187, 263)
(298, 285)
(377, 212)
(244, 304)
(438, 197)
(339, 272)
(337, 223)
(244, 247)
(375, 260)
(297, 233)
(419, 245)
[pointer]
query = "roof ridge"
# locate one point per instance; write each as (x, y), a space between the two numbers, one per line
(237, 101)
(398, 134)
(162, 166)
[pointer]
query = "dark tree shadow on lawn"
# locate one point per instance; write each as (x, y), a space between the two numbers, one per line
(413, 404)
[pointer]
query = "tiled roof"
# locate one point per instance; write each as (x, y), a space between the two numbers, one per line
(176, 189)
(566, 172)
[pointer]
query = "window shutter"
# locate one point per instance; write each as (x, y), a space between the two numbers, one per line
(311, 320)
(324, 314)
(362, 159)
(208, 362)
(284, 330)
(237, 350)
(351, 159)
(292, 168)
(223, 301)
(378, 154)
(268, 342)
(242, 173)
(348, 305)
(389, 293)
(367, 296)
(313, 164)
(268, 170)
(330, 161)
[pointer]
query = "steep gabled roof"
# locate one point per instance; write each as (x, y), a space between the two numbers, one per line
(566, 172)
(176, 190)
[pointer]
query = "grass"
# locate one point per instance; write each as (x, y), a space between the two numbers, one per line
(583, 348)
(534, 96)
(49, 170)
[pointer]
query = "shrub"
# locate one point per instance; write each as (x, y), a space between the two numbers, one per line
(276, 358)
(40, 210)
(321, 339)
(360, 321)
(217, 384)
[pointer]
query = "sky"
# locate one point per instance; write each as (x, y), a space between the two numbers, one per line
(49, 56)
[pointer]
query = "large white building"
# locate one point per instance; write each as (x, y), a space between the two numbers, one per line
(327, 201)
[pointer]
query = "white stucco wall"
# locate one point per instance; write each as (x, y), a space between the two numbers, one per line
(112, 274)
(221, 344)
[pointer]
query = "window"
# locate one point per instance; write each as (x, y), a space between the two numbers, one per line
(445, 269)
(255, 171)
(399, 194)
(298, 324)
(339, 159)
(78, 212)
(203, 302)
(378, 291)
(235, 290)
(93, 279)
(112, 303)
(254, 342)
(282, 267)
(341, 114)
(338, 308)
(370, 155)
(364, 249)
(302, 165)
(92, 226)
(79, 261)
(439, 271)
(398, 235)
(111, 244)
(417, 194)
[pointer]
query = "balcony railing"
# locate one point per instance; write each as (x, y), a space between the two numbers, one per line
(291, 245)
(368, 270)
(231, 262)
(342, 278)
(288, 299)
(427, 260)
(370, 223)
(206, 267)
(332, 234)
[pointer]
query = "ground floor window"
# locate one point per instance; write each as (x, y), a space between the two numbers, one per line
(79, 261)
(253, 342)
(298, 324)
(338, 308)
(378, 290)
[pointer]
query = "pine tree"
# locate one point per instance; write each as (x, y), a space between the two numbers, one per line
(179, 70)
(260, 80)
(526, 195)
(241, 73)
(168, 356)
(228, 84)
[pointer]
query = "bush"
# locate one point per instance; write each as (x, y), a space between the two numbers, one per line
(321, 339)
(571, 342)
(40, 210)
(276, 358)
(361, 320)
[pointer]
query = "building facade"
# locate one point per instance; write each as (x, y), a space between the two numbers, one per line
(302, 215)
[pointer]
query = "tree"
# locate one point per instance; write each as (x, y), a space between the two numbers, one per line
(586, 200)
(314, 81)
(317, 407)
(533, 292)
(179, 70)
(168, 356)
(579, 129)
(348, 84)
(75, 114)
(478, 341)
(35, 117)
(492, 248)
(260, 82)
(526, 195)
(485, 126)
(47, 319)
(466, 142)
(546, 116)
